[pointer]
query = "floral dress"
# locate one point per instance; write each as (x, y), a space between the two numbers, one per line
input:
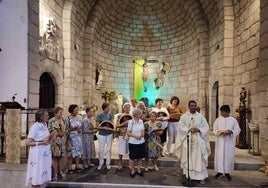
(39, 159)
(58, 147)
(153, 141)
(74, 137)
(88, 139)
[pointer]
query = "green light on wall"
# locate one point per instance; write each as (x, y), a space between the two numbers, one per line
(138, 82)
(141, 88)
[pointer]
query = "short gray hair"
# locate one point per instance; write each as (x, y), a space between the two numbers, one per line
(140, 103)
(39, 115)
(136, 111)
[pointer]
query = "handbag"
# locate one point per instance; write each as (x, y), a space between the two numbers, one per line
(126, 136)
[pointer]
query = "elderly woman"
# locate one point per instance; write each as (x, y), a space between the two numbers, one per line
(153, 142)
(136, 142)
(122, 126)
(145, 114)
(39, 159)
(88, 131)
(58, 146)
(74, 122)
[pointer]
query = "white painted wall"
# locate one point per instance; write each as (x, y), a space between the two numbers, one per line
(13, 57)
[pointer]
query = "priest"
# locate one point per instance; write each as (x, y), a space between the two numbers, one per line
(195, 125)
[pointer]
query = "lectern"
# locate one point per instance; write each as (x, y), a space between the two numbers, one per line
(11, 105)
(11, 131)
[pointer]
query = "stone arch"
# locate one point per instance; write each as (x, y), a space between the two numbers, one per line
(202, 31)
(69, 11)
(199, 31)
(56, 75)
(46, 91)
(214, 107)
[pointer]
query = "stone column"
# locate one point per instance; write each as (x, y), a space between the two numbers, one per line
(13, 132)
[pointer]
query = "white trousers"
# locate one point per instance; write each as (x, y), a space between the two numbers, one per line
(122, 146)
(105, 140)
(172, 133)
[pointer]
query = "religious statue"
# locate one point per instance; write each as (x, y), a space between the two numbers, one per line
(243, 95)
(242, 110)
(145, 72)
(99, 78)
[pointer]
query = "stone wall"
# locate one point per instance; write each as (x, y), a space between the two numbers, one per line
(262, 102)
(246, 51)
(39, 14)
(114, 39)
(208, 45)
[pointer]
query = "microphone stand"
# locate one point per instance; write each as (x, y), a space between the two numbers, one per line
(189, 182)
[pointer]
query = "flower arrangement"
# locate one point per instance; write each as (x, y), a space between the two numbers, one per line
(108, 95)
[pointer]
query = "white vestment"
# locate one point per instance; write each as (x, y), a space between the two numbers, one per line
(199, 145)
(225, 144)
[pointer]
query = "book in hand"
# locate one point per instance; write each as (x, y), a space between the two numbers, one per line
(156, 130)
(219, 133)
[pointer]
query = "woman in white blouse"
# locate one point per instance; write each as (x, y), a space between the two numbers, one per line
(136, 142)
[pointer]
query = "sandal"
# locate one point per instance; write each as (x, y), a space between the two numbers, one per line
(91, 164)
(132, 175)
(86, 167)
(78, 170)
(62, 175)
(70, 172)
(140, 174)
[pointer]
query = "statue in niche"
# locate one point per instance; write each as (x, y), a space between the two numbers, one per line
(99, 77)
(49, 45)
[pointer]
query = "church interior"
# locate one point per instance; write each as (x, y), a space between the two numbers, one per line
(85, 52)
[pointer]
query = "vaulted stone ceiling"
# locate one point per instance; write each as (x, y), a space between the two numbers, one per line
(128, 26)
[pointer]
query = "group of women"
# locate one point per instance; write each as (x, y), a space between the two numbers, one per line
(148, 131)
(141, 135)
(52, 140)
